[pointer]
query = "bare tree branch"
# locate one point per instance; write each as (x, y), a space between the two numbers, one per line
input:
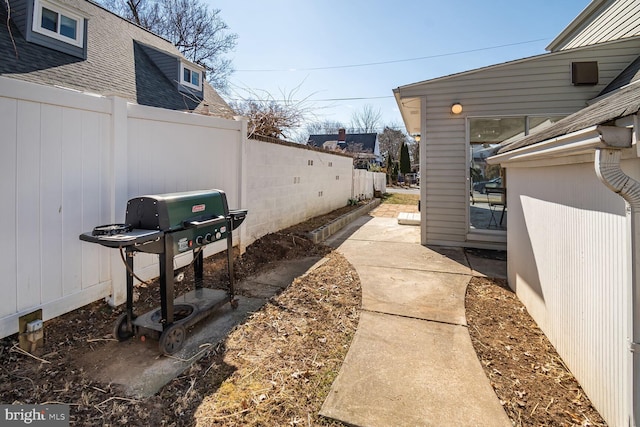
(390, 141)
(366, 120)
(270, 117)
(13, 41)
(415, 152)
(324, 127)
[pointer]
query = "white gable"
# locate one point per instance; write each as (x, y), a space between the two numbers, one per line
(601, 21)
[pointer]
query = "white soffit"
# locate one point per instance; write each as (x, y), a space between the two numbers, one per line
(575, 143)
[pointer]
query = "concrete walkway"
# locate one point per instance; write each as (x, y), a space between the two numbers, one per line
(411, 362)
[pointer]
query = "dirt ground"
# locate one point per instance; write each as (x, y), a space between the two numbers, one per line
(277, 367)
(532, 382)
(288, 354)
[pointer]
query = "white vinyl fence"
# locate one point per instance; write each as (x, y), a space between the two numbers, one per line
(70, 162)
(366, 183)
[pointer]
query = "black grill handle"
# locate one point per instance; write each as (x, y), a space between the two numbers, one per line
(203, 223)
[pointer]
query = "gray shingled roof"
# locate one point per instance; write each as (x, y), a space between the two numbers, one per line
(367, 141)
(621, 98)
(115, 65)
(629, 75)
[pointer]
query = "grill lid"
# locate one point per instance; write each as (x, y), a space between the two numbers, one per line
(174, 211)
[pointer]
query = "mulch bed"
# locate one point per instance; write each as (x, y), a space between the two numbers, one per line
(287, 355)
(529, 377)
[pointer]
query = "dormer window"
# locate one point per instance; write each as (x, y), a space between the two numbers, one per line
(190, 77)
(58, 23)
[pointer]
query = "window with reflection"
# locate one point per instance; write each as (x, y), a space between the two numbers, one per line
(488, 204)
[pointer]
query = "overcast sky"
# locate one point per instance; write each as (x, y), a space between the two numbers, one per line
(336, 50)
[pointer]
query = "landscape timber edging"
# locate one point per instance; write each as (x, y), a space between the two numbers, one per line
(324, 232)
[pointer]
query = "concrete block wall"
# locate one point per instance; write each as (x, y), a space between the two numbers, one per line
(289, 183)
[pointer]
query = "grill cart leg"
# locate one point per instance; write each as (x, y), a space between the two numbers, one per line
(129, 256)
(123, 328)
(232, 300)
(198, 264)
(166, 282)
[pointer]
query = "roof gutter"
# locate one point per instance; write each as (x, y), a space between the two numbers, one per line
(607, 164)
(580, 142)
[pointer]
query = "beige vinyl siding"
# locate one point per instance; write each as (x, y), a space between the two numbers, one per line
(444, 168)
(619, 19)
(534, 86)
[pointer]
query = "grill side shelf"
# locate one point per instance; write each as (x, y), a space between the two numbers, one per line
(237, 217)
(131, 238)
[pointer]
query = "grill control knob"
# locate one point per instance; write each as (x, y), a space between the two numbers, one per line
(199, 240)
(218, 235)
(207, 238)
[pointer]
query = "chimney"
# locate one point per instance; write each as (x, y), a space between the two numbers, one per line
(342, 135)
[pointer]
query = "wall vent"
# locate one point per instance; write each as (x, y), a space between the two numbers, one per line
(584, 73)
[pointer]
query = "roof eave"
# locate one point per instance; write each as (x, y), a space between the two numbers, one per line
(408, 87)
(588, 11)
(403, 111)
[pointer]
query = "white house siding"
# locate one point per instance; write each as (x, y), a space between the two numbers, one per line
(534, 86)
(617, 19)
(576, 289)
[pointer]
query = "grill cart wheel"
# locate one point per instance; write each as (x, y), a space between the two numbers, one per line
(172, 338)
(120, 330)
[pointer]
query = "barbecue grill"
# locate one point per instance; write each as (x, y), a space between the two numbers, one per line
(167, 225)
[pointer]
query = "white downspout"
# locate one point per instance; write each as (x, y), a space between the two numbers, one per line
(607, 165)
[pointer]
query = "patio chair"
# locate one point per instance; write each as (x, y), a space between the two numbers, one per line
(496, 203)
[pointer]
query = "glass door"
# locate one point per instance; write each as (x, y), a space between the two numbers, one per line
(487, 182)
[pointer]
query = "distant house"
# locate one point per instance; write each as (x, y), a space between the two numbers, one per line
(363, 146)
(78, 45)
(561, 129)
